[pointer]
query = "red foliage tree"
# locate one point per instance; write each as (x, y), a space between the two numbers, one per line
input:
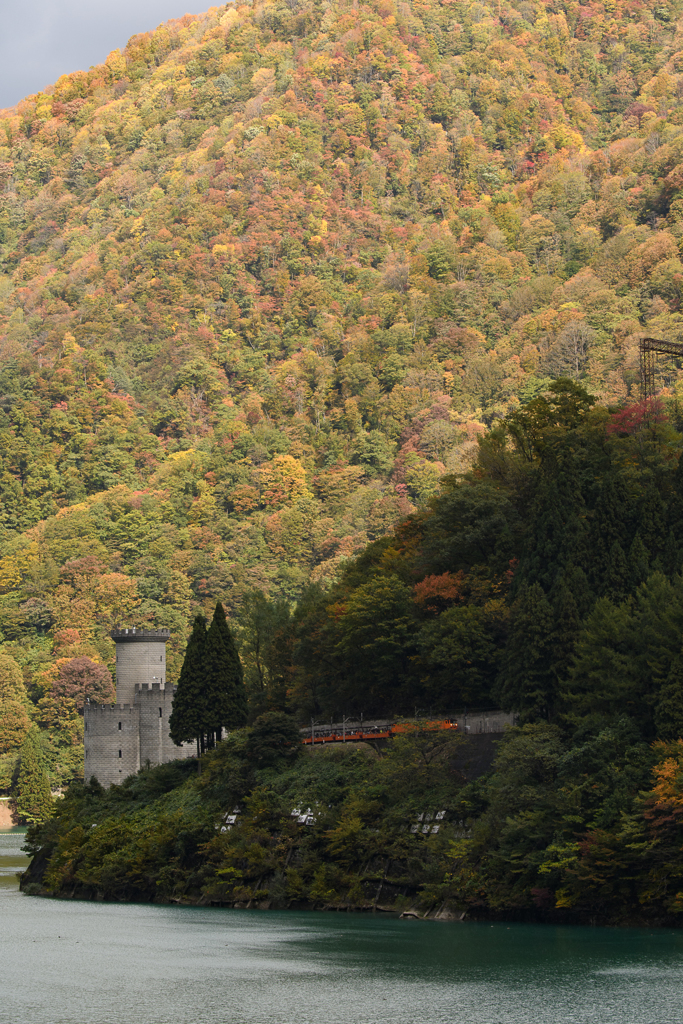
(438, 591)
(636, 417)
(82, 678)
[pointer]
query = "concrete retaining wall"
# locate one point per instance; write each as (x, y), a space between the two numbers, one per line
(496, 721)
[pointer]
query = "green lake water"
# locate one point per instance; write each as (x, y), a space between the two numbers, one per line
(67, 962)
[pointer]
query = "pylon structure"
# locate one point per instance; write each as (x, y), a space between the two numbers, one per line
(649, 348)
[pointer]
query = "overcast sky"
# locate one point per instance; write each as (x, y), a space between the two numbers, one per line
(43, 39)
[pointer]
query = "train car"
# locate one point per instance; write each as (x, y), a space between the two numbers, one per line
(336, 733)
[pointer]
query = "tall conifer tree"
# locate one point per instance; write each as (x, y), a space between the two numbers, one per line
(527, 682)
(639, 563)
(558, 513)
(671, 557)
(675, 504)
(566, 624)
(576, 581)
(33, 797)
(224, 677)
(603, 678)
(668, 712)
(652, 521)
(617, 577)
(188, 719)
(612, 524)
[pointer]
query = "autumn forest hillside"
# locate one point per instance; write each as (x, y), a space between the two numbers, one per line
(268, 274)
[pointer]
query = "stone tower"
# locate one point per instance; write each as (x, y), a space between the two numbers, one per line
(140, 660)
(121, 738)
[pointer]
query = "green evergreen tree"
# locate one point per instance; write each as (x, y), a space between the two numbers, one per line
(671, 556)
(652, 520)
(190, 706)
(603, 680)
(576, 581)
(617, 577)
(33, 798)
(658, 624)
(227, 697)
(547, 535)
(527, 682)
(612, 523)
(668, 712)
(565, 631)
(674, 510)
(639, 563)
(556, 528)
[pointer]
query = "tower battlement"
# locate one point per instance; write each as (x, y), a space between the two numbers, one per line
(130, 634)
(153, 687)
(105, 708)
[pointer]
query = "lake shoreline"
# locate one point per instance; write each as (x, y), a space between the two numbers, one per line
(444, 912)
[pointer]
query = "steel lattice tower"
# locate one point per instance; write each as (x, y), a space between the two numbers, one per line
(649, 348)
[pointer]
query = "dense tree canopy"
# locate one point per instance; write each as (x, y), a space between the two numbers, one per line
(545, 581)
(266, 276)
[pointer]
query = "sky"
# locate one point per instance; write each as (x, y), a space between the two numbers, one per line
(43, 39)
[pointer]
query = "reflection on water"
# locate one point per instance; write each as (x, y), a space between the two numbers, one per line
(12, 857)
(89, 963)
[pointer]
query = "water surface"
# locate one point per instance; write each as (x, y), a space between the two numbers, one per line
(89, 963)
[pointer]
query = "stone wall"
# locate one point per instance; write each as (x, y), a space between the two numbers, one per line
(156, 745)
(111, 742)
(119, 739)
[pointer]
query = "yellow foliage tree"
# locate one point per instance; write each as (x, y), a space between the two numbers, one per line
(282, 481)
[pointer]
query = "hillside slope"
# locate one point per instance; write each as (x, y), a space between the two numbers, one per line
(510, 847)
(269, 272)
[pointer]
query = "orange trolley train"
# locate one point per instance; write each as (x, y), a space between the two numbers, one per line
(339, 733)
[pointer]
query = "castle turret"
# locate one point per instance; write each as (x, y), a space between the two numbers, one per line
(121, 738)
(140, 660)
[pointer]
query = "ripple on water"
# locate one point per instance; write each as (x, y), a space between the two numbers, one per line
(88, 963)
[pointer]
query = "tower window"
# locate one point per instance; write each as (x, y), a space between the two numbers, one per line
(119, 727)
(161, 657)
(119, 753)
(160, 713)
